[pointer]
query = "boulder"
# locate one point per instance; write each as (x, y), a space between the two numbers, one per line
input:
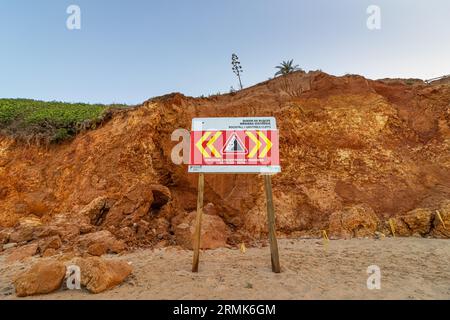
(97, 249)
(22, 233)
(100, 242)
(43, 277)
(25, 229)
(98, 275)
(415, 222)
(96, 210)
(214, 231)
(354, 221)
(135, 202)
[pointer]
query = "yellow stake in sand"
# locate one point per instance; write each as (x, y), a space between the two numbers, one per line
(242, 247)
(391, 224)
(440, 219)
(325, 239)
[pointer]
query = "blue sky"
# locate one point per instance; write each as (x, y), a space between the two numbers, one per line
(129, 51)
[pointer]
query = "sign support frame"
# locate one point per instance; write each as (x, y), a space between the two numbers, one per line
(258, 131)
(274, 256)
(198, 221)
(271, 224)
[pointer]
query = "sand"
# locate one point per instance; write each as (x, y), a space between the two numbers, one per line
(411, 268)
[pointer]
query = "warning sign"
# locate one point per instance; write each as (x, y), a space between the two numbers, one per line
(234, 145)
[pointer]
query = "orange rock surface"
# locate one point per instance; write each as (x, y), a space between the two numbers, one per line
(354, 153)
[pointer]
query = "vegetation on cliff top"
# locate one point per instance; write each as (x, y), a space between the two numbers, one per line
(49, 121)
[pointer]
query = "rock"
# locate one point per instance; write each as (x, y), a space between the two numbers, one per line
(22, 253)
(354, 221)
(416, 222)
(49, 252)
(97, 210)
(43, 277)
(135, 203)
(67, 231)
(214, 232)
(98, 275)
(379, 235)
(49, 243)
(22, 233)
(97, 249)
(4, 236)
(37, 202)
(25, 230)
(101, 242)
(9, 245)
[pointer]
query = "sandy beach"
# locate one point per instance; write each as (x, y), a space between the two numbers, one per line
(411, 268)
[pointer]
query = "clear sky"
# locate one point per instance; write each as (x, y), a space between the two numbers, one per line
(129, 51)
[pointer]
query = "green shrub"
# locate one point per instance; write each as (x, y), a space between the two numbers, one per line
(51, 121)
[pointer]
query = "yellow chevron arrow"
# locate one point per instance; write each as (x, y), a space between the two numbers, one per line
(210, 143)
(268, 144)
(255, 148)
(200, 142)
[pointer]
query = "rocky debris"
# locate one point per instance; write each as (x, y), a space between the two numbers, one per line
(354, 221)
(344, 141)
(53, 242)
(22, 253)
(66, 229)
(99, 243)
(22, 234)
(132, 206)
(50, 252)
(97, 210)
(415, 222)
(4, 236)
(25, 230)
(98, 275)
(44, 277)
(37, 203)
(9, 245)
(214, 231)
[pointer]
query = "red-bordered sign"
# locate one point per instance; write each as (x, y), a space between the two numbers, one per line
(240, 145)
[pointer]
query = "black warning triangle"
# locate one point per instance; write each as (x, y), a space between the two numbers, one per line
(234, 145)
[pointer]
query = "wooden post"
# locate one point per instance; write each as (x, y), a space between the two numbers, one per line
(271, 224)
(198, 222)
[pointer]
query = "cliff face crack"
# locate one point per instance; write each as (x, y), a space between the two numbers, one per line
(99, 218)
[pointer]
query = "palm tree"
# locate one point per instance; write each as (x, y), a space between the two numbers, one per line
(286, 67)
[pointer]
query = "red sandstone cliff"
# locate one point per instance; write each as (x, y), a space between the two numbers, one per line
(354, 153)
